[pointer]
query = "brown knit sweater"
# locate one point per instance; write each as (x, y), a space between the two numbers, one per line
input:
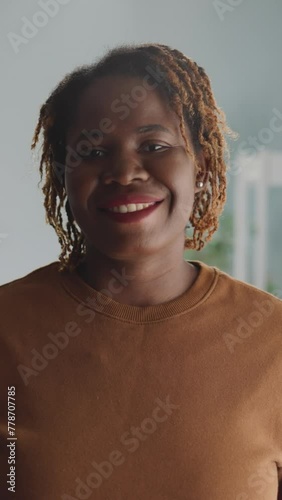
(177, 401)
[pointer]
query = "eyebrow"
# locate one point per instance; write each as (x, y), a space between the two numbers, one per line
(140, 130)
(150, 128)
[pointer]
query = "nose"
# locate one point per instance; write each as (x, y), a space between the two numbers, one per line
(125, 169)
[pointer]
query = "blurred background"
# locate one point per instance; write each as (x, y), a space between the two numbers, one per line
(238, 42)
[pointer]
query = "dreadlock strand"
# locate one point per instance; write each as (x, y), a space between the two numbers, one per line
(184, 78)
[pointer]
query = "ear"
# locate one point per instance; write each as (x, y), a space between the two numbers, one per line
(203, 171)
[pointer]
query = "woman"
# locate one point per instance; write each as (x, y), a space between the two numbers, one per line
(137, 374)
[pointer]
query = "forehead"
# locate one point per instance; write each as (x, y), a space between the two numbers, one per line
(110, 97)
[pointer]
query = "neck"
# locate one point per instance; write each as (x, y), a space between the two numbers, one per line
(146, 281)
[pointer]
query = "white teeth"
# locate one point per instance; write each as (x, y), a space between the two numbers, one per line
(132, 207)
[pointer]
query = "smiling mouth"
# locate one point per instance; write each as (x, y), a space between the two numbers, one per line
(130, 207)
(133, 212)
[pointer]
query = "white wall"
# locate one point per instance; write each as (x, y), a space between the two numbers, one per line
(241, 51)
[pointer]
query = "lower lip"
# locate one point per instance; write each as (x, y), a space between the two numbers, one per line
(131, 216)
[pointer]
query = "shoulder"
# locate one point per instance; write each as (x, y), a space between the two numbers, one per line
(244, 319)
(238, 297)
(29, 285)
(247, 306)
(239, 290)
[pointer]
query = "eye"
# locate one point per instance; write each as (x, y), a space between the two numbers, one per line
(94, 153)
(153, 145)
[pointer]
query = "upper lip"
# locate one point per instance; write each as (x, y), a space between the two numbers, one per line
(127, 199)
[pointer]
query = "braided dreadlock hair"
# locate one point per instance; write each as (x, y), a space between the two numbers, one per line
(188, 90)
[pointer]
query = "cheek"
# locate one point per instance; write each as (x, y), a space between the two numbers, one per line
(183, 192)
(80, 189)
(185, 205)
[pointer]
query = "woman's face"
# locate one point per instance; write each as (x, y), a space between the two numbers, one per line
(114, 160)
